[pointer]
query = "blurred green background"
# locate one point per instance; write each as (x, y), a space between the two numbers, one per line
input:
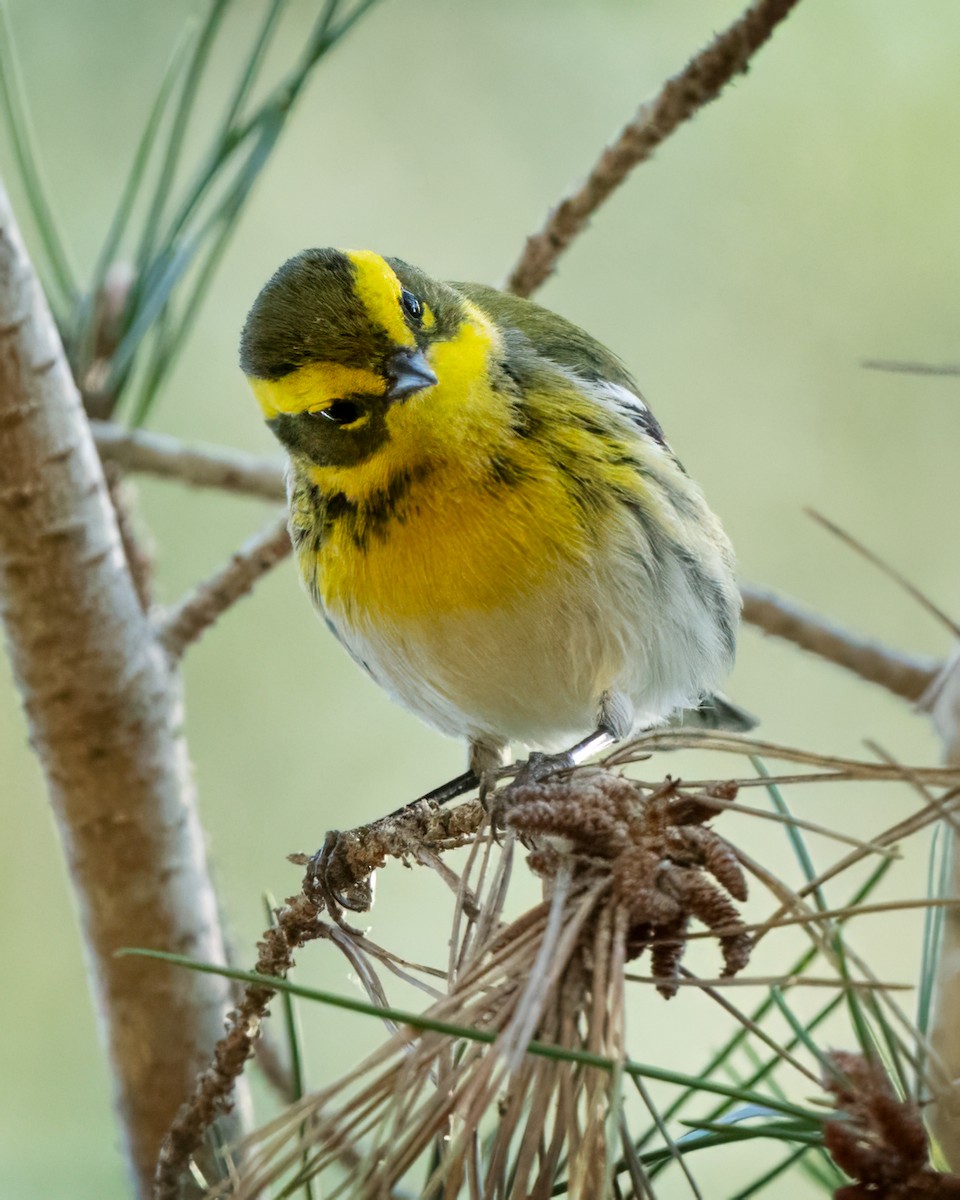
(806, 221)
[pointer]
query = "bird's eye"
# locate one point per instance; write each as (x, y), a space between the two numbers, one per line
(412, 305)
(340, 412)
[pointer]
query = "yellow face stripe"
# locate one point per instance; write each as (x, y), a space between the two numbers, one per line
(459, 420)
(313, 387)
(378, 290)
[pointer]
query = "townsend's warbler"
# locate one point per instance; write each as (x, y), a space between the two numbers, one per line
(485, 510)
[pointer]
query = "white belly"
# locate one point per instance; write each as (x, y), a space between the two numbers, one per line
(534, 671)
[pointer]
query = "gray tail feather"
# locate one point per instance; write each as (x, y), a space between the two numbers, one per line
(716, 712)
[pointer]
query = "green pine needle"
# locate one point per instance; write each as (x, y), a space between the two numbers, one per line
(418, 1021)
(60, 271)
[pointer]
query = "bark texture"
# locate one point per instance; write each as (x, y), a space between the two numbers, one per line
(104, 711)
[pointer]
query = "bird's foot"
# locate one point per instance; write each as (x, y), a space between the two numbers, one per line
(330, 880)
(535, 768)
(540, 766)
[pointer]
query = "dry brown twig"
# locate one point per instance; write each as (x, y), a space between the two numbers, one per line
(680, 98)
(641, 864)
(298, 923)
(910, 368)
(199, 466)
(907, 676)
(887, 569)
(196, 613)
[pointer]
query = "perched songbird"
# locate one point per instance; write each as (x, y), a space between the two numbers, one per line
(485, 510)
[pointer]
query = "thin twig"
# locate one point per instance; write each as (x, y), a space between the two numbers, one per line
(763, 814)
(675, 1152)
(701, 81)
(749, 1024)
(811, 917)
(891, 572)
(136, 547)
(902, 674)
(779, 981)
(297, 923)
(924, 792)
(910, 368)
(194, 615)
(831, 766)
(199, 466)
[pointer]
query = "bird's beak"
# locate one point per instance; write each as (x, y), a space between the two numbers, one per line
(408, 372)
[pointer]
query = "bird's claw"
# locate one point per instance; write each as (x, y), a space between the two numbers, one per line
(329, 880)
(539, 766)
(534, 769)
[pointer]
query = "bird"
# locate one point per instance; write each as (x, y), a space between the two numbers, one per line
(487, 514)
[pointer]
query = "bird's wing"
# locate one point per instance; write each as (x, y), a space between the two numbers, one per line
(555, 338)
(716, 711)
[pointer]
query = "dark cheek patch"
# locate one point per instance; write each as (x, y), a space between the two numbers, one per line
(328, 445)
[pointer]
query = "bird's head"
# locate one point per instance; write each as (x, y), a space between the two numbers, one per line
(339, 342)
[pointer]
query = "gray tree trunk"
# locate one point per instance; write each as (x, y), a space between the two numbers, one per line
(105, 716)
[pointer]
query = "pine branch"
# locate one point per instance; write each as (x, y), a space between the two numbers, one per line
(194, 615)
(199, 466)
(680, 98)
(904, 675)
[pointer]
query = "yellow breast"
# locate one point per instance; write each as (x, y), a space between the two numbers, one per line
(456, 512)
(449, 544)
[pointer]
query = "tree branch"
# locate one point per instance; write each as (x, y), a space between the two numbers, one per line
(910, 368)
(194, 615)
(104, 712)
(200, 466)
(701, 81)
(297, 923)
(900, 673)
